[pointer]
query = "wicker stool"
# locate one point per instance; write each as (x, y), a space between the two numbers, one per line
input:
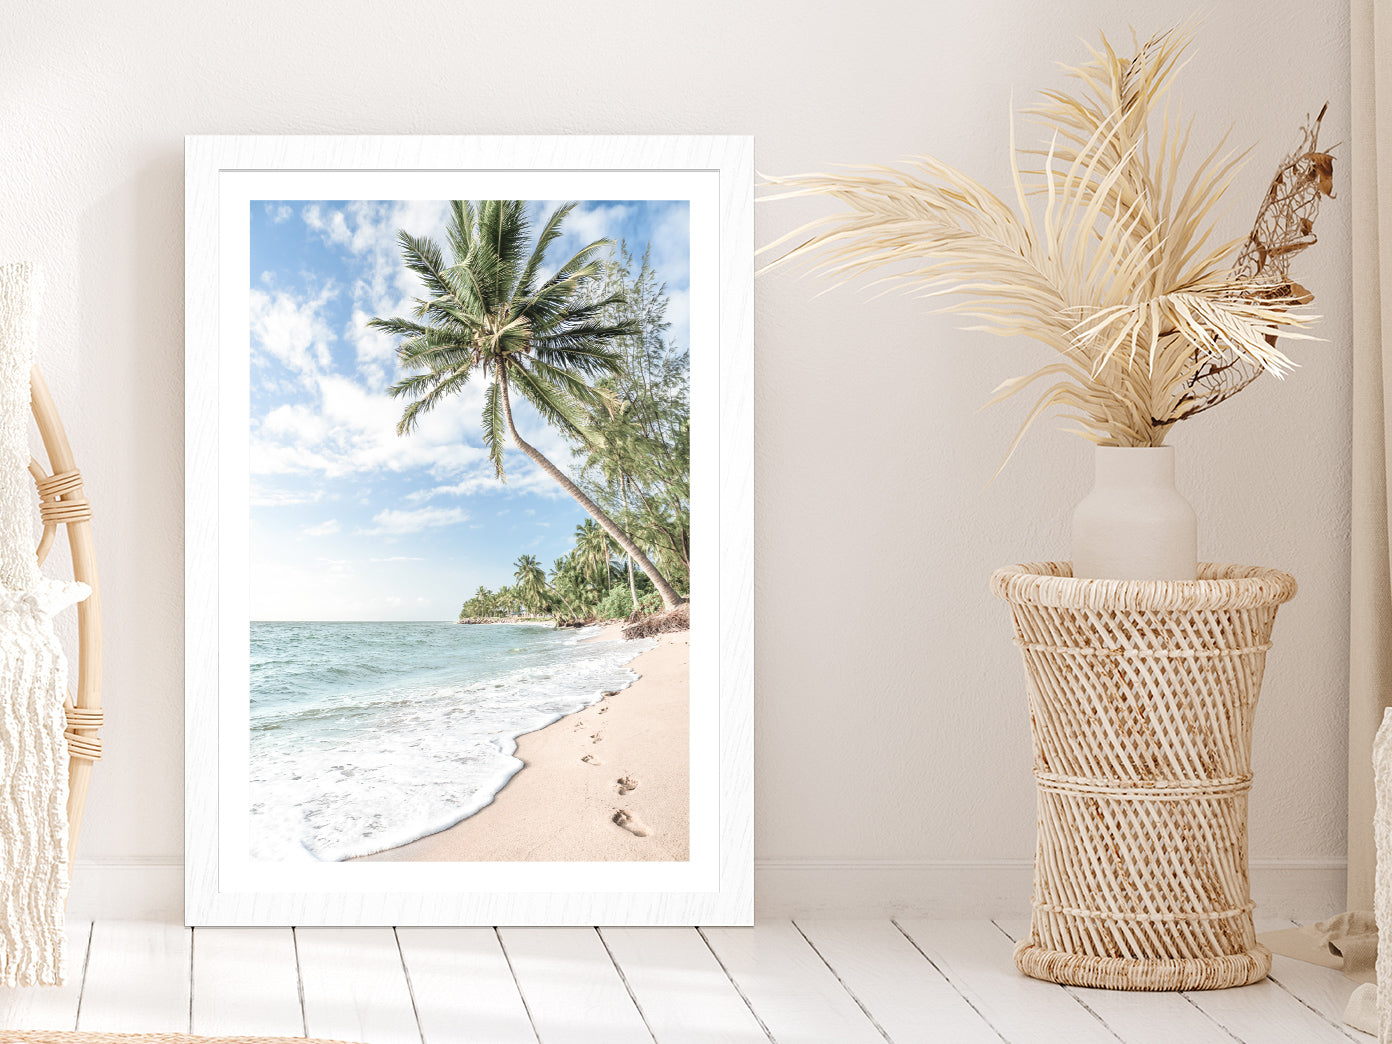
(1141, 696)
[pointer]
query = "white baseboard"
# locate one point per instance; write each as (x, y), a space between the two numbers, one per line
(127, 890)
(1302, 890)
(113, 889)
(1297, 889)
(864, 888)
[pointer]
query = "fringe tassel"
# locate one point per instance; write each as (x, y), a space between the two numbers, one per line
(33, 799)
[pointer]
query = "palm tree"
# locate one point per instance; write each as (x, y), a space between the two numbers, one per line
(566, 582)
(509, 601)
(479, 605)
(531, 583)
(491, 312)
(611, 450)
(591, 554)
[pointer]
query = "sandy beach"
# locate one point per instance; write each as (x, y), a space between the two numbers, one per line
(610, 782)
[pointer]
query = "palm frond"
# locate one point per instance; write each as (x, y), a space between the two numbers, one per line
(494, 427)
(1108, 253)
(428, 391)
(552, 403)
(549, 233)
(463, 220)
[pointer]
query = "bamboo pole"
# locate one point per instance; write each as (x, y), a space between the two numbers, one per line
(64, 503)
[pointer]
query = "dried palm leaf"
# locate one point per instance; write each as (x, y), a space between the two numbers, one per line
(1119, 273)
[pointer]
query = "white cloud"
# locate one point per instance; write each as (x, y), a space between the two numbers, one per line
(344, 428)
(374, 351)
(332, 226)
(297, 422)
(679, 315)
(323, 529)
(292, 329)
(394, 522)
(384, 286)
(464, 488)
(671, 246)
(279, 213)
(264, 497)
(591, 221)
(267, 457)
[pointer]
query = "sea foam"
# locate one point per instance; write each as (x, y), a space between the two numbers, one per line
(368, 736)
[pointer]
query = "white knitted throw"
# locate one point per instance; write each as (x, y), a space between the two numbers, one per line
(33, 681)
(1382, 883)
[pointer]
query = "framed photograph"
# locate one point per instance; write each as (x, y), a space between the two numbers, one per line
(469, 522)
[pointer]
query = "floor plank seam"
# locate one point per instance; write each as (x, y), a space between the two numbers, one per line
(193, 941)
(299, 979)
(82, 986)
(850, 992)
(1211, 1018)
(410, 986)
(997, 927)
(517, 984)
(624, 979)
(949, 980)
(1340, 1026)
(1088, 1008)
(738, 989)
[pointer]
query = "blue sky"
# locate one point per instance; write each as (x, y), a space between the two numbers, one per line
(350, 521)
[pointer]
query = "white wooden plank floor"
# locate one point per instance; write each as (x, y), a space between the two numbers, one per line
(909, 981)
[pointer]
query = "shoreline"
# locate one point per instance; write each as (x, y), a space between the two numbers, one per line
(489, 621)
(571, 801)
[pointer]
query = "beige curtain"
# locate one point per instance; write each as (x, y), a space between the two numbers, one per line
(1370, 654)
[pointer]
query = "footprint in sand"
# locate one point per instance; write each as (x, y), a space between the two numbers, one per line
(631, 823)
(604, 710)
(596, 737)
(591, 759)
(626, 784)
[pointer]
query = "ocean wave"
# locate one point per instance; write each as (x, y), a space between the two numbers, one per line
(351, 772)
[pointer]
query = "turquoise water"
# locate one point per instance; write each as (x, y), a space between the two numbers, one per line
(365, 736)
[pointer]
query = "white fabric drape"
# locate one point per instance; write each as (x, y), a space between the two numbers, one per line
(33, 682)
(1370, 664)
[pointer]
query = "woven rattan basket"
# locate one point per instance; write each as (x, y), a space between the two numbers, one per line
(1141, 697)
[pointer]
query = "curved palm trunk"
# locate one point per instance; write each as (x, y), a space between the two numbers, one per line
(670, 598)
(566, 601)
(632, 585)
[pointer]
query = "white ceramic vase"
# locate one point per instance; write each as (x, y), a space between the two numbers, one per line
(1134, 525)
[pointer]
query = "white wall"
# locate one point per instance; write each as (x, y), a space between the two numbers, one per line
(892, 738)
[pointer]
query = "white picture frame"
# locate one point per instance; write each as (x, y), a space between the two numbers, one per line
(222, 886)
